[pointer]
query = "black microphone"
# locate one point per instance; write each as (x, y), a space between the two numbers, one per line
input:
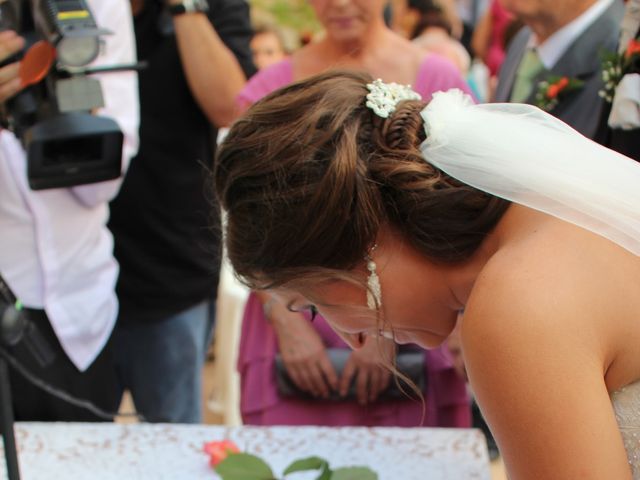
(16, 327)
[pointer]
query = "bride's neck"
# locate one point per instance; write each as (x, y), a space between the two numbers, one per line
(516, 221)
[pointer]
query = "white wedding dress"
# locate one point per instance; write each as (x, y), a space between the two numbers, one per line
(626, 404)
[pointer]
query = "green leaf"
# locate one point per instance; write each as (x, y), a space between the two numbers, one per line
(243, 466)
(311, 463)
(354, 473)
(304, 464)
(326, 474)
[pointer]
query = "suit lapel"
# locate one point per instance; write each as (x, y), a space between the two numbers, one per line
(511, 64)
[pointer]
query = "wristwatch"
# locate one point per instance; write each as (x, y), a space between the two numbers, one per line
(188, 6)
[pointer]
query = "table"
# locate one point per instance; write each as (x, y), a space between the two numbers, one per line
(78, 451)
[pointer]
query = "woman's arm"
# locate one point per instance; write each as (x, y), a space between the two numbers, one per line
(536, 356)
(301, 347)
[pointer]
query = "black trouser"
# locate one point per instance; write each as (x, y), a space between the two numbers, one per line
(97, 384)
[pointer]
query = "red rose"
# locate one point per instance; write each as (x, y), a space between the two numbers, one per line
(632, 48)
(562, 83)
(219, 450)
(553, 90)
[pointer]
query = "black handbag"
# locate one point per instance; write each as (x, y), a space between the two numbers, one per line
(409, 362)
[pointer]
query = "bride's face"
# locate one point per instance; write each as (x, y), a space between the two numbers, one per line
(417, 301)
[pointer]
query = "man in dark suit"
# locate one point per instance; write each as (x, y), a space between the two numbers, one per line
(561, 38)
(621, 120)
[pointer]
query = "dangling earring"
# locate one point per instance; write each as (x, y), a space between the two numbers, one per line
(374, 292)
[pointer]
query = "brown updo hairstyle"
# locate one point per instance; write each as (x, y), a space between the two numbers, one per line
(309, 175)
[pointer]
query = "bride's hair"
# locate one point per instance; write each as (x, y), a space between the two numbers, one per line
(309, 175)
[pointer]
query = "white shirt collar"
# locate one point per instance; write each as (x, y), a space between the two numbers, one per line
(557, 44)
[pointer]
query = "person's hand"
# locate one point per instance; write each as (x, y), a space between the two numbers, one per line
(303, 352)
(10, 84)
(366, 365)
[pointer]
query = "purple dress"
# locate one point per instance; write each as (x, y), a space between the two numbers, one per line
(447, 402)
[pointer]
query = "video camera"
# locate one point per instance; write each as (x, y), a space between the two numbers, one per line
(66, 145)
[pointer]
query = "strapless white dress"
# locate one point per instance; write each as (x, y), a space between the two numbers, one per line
(626, 404)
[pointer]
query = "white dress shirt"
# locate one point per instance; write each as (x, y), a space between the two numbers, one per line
(557, 44)
(56, 252)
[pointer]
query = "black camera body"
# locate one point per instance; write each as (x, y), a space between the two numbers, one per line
(66, 144)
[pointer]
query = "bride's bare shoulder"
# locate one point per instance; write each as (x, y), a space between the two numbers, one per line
(539, 250)
(557, 279)
(537, 337)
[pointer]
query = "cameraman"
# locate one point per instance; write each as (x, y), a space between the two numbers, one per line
(55, 249)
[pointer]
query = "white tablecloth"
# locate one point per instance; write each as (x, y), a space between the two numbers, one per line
(143, 451)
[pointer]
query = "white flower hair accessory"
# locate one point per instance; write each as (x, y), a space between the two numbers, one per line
(384, 97)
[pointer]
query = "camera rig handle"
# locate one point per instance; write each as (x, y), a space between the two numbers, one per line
(15, 327)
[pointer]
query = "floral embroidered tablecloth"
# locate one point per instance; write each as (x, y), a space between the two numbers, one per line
(81, 451)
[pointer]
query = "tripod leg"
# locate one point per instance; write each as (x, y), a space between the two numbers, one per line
(6, 419)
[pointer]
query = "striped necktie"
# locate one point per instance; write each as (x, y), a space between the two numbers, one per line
(529, 68)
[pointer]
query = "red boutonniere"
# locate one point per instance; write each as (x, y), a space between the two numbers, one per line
(632, 49)
(553, 89)
(617, 65)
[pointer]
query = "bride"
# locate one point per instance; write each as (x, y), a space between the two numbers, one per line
(353, 199)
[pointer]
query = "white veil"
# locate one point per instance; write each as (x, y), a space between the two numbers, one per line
(522, 154)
